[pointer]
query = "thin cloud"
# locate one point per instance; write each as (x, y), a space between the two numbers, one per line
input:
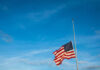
(3, 7)
(97, 31)
(35, 52)
(83, 62)
(22, 26)
(5, 37)
(94, 67)
(25, 58)
(38, 16)
(89, 41)
(42, 62)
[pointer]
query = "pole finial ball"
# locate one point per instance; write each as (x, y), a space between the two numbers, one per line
(72, 20)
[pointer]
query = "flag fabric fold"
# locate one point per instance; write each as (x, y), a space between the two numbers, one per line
(64, 52)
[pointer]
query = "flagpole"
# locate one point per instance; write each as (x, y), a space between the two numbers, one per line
(75, 44)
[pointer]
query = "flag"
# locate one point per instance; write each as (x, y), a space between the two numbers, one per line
(64, 52)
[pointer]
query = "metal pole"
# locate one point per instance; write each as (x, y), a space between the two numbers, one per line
(75, 44)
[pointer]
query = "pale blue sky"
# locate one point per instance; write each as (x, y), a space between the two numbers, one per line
(31, 30)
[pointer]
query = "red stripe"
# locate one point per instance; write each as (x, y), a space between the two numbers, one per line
(59, 55)
(55, 52)
(58, 63)
(69, 55)
(61, 47)
(59, 59)
(65, 56)
(60, 51)
(64, 53)
(69, 58)
(69, 52)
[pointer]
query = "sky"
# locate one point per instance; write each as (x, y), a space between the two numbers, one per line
(31, 30)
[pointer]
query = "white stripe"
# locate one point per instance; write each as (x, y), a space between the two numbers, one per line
(69, 53)
(69, 56)
(58, 62)
(57, 59)
(60, 55)
(61, 47)
(60, 52)
(55, 52)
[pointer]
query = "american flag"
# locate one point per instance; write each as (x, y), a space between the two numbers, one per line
(64, 52)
